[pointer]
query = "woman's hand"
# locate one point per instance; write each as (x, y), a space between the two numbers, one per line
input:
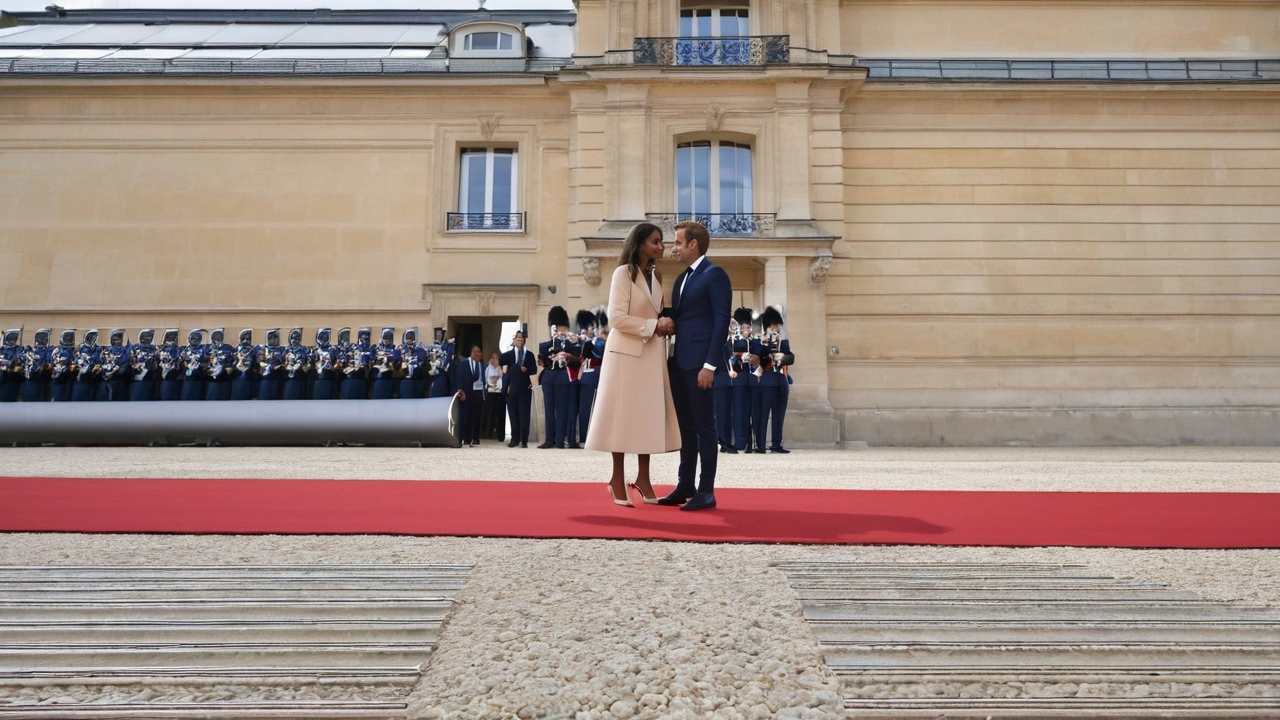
(665, 327)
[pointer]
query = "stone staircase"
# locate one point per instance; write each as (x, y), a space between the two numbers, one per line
(243, 642)
(955, 640)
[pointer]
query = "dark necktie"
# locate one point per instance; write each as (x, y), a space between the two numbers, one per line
(680, 281)
(520, 358)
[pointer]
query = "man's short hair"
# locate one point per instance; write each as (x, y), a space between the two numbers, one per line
(697, 232)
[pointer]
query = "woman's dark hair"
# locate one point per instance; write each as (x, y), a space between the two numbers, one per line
(631, 247)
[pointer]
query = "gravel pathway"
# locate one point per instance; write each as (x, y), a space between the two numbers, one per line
(617, 629)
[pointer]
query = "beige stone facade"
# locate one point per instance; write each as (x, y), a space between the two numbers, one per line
(960, 262)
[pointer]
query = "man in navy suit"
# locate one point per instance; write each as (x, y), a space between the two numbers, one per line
(469, 379)
(518, 368)
(699, 315)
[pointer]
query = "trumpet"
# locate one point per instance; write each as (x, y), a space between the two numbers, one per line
(110, 364)
(244, 358)
(383, 362)
(191, 363)
(357, 361)
(215, 364)
(59, 366)
(166, 365)
(324, 360)
(292, 363)
(31, 363)
(84, 363)
(140, 367)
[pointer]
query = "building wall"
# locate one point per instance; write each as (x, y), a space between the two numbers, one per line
(1069, 257)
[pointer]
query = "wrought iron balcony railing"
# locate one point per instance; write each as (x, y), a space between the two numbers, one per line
(720, 224)
(504, 222)
(752, 50)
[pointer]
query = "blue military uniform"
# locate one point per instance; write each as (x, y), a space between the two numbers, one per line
(776, 380)
(37, 363)
(169, 358)
(11, 376)
(324, 364)
(192, 361)
(382, 369)
(441, 366)
(63, 360)
(414, 362)
(143, 368)
(244, 379)
(115, 360)
(85, 386)
(355, 383)
(297, 366)
(588, 371)
(219, 361)
(271, 368)
(743, 383)
(561, 360)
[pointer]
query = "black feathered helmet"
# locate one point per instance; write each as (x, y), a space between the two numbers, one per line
(743, 316)
(586, 321)
(557, 318)
(770, 318)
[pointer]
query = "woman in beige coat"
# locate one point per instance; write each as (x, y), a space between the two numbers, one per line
(633, 411)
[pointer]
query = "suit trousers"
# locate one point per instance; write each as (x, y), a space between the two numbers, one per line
(742, 410)
(519, 409)
(724, 413)
(469, 418)
(696, 412)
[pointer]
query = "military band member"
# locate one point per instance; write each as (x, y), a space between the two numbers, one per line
(271, 367)
(37, 363)
(324, 362)
(764, 401)
(722, 391)
(192, 361)
(743, 382)
(297, 366)
(142, 367)
(561, 359)
(382, 371)
(355, 372)
(440, 370)
(777, 376)
(244, 379)
(63, 360)
(519, 367)
(588, 370)
(86, 369)
(11, 375)
(414, 362)
(115, 359)
(169, 359)
(219, 361)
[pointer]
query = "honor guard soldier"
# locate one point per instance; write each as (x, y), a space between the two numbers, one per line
(743, 382)
(193, 366)
(440, 368)
(382, 371)
(63, 360)
(142, 367)
(244, 378)
(37, 363)
(219, 360)
(86, 369)
(270, 367)
(722, 391)
(588, 370)
(324, 362)
(11, 375)
(169, 358)
(413, 366)
(115, 360)
(355, 381)
(776, 376)
(517, 382)
(561, 359)
(297, 365)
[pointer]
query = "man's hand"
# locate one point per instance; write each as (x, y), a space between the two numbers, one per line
(666, 327)
(706, 379)
(462, 397)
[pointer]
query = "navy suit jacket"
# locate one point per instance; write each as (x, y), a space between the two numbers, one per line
(701, 313)
(515, 380)
(464, 380)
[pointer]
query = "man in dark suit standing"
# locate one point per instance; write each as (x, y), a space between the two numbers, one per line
(469, 379)
(699, 315)
(518, 368)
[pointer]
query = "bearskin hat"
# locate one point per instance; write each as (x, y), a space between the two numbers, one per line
(558, 317)
(770, 317)
(743, 315)
(602, 319)
(586, 319)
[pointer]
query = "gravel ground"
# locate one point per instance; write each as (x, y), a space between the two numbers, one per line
(613, 629)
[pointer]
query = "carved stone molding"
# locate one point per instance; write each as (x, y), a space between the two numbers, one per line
(489, 125)
(819, 269)
(485, 299)
(591, 271)
(715, 118)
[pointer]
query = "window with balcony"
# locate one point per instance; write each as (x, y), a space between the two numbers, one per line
(714, 187)
(713, 36)
(487, 191)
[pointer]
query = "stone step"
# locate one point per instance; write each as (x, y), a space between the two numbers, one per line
(208, 711)
(203, 631)
(1086, 631)
(946, 593)
(1098, 656)
(1030, 610)
(159, 608)
(113, 572)
(283, 654)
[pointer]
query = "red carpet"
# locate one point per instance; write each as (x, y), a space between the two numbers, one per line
(579, 510)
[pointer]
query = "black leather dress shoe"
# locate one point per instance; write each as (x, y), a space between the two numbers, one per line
(731, 451)
(524, 445)
(575, 446)
(546, 445)
(782, 450)
(701, 501)
(677, 497)
(513, 443)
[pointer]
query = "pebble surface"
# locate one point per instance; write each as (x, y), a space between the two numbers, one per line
(626, 629)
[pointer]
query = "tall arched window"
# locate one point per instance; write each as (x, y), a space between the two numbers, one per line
(713, 181)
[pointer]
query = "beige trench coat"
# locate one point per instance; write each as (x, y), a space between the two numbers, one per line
(633, 411)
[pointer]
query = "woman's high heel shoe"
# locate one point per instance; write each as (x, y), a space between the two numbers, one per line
(626, 499)
(647, 500)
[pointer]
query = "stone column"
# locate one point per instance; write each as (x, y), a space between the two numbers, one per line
(626, 150)
(810, 417)
(792, 102)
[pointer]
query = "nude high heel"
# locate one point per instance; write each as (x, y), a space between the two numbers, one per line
(647, 500)
(625, 502)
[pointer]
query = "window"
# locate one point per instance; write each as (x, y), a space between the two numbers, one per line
(486, 39)
(481, 41)
(713, 36)
(714, 22)
(487, 191)
(713, 177)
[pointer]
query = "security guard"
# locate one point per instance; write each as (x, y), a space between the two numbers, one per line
(324, 362)
(63, 360)
(36, 366)
(220, 362)
(115, 358)
(414, 362)
(11, 375)
(244, 379)
(270, 367)
(142, 367)
(297, 365)
(169, 358)
(192, 359)
(86, 368)
(776, 376)
(385, 361)
(743, 382)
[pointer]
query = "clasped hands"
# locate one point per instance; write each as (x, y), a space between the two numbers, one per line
(666, 327)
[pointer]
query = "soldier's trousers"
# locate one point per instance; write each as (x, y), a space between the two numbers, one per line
(9, 390)
(354, 389)
(170, 389)
(270, 389)
(217, 390)
(60, 391)
(192, 389)
(724, 414)
(115, 390)
(586, 403)
(35, 391)
(295, 388)
(83, 390)
(742, 411)
(242, 387)
(780, 414)
(766, 405)
(324, 390)
(142, 391)
(548, 414)
(383, 388)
